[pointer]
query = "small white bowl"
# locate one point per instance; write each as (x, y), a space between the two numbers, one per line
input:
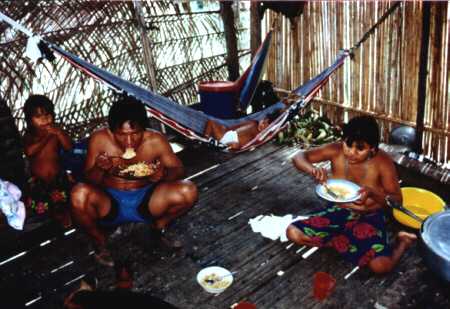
(216, 287)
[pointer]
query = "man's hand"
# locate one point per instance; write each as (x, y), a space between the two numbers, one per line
(103, 162)
(158, 173)
(319, 174)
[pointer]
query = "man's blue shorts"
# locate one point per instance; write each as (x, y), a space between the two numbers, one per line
(128, 206)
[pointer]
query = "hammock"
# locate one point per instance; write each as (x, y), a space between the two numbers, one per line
(190, 122)
(237, 95)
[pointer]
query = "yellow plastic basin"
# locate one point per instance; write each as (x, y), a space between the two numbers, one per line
(421, 202)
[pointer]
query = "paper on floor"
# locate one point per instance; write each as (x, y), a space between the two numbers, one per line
(273, 227)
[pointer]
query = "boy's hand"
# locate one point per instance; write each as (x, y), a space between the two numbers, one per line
(353, 206)
(103, 161)
(319, 174)
(364, 192)
(53, 130)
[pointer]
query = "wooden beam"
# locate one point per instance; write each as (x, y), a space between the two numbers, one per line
(255, 27)
(149, 62)
(422, 90)
(227, 14)
(146, 45)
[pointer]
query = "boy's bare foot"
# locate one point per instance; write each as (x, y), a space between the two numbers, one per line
(406, 238)
(64, 218)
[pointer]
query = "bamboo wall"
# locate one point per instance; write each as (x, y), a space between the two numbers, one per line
(382, 78)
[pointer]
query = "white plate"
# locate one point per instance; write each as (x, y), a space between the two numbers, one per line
(351, 187)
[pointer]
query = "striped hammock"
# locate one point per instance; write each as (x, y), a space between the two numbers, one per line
(191, 123)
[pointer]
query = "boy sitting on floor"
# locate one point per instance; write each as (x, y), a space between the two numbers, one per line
(356, 230)
(49, 186)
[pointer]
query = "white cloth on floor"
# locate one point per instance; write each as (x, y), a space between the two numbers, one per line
(10, 204)
(273, 227)
(230, 137)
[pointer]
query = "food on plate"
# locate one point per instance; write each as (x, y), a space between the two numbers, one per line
(129, 153)
(215, 281)
(140, 169)
(341, 192)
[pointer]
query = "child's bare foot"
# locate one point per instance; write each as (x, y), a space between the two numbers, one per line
(64, 218)
(406, 238)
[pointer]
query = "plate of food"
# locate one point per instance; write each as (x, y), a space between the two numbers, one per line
(215, 279)
(339, 191)
(137, 170)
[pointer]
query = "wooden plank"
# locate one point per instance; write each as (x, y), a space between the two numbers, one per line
(259, 182)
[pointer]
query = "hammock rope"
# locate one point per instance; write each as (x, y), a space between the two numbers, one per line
(372, 29)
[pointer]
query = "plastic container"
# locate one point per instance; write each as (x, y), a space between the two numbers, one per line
(218, 98)
(324, 284)
(421, 202)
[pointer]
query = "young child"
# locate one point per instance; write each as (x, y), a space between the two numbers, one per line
(356, 230)
(237, 136)
(49, 186)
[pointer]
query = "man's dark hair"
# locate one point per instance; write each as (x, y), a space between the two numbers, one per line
(127, 109)
(33, 103)
(362, 129)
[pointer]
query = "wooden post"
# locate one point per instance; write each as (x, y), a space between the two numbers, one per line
(422, 75)
(146, 45)
(255, 27)
(227, 14)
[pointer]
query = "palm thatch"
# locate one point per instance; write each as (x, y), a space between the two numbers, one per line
(187, 45)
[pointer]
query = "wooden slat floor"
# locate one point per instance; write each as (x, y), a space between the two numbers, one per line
(253, 183)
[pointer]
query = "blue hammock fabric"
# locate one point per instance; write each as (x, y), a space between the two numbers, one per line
(183, 115)
(255, 72)
(190, 122)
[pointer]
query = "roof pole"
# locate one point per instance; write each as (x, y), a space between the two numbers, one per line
(426, 9)
(146, 45)
(227, 14)
(255, 26)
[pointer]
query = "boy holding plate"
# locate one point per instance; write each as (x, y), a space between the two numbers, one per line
(354, 229)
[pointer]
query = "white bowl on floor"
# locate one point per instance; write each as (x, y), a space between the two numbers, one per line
(211, 273)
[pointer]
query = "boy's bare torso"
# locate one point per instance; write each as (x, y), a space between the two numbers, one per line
(45, 164)
(366, 173)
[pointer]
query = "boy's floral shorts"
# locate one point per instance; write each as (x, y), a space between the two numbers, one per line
(54, 196)
(359, 238)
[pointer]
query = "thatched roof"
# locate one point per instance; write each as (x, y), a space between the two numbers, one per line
(187, 43)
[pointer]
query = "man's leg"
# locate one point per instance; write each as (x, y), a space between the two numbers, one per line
(171, 200)
(88, 205)
(384, 264)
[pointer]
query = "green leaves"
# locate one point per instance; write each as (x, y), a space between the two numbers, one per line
(378, 247)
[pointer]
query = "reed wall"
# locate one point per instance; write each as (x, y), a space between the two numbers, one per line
(382, 78)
